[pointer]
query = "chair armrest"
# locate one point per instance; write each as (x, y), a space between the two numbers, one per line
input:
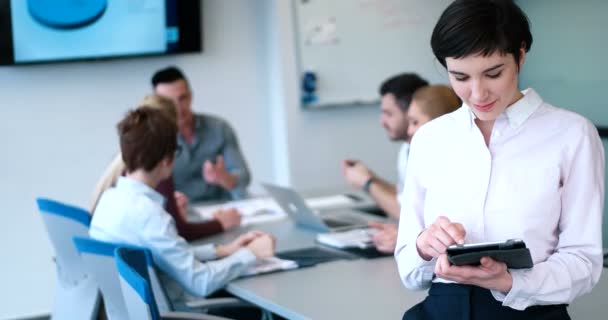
(190, 316)
(217, 303)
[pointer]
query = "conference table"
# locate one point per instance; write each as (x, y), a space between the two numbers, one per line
(342, 289)
(347, 289)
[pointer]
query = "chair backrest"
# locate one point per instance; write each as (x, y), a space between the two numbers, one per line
(98, 258)
(132, 265)
(63, 222)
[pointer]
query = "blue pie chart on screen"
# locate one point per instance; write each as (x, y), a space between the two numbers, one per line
(66, 14)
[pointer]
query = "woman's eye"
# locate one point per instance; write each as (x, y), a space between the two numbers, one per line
(494, 75)
(461, 78)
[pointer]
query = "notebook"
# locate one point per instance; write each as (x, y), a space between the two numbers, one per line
(253, 211)
(358, 242)
(356, 238)
(299, 258)
(268, 265)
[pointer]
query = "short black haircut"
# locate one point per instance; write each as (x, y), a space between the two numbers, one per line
(481, 27)
(167, 75)
(402, 87)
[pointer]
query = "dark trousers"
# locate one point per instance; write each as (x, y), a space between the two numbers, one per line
(237, 313)
(465, 302)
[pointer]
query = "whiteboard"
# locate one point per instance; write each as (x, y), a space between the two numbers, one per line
(352, 46)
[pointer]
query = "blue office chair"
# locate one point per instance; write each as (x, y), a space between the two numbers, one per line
(133, 265)
(76, 296)
(98, 258)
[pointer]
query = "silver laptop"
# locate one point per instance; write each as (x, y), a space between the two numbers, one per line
(297, 209)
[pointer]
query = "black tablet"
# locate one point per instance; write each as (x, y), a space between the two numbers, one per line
(513, 252)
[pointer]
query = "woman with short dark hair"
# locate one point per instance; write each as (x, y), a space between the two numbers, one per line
(505, 165)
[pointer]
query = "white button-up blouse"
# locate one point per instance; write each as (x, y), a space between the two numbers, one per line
(541, 179)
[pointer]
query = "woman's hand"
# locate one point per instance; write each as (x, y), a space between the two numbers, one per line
(491, 274)
(228, 218)
(433, 242)
(385, 237)
(182, 204)
(242, 241)
(262, 246)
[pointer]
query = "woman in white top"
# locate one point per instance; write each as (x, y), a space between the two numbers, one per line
(505, 165)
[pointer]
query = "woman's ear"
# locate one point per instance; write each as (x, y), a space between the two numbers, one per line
(166, 166)
(522, 57)
(168, 160)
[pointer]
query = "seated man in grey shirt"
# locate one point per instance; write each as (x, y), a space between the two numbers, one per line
(209, 164)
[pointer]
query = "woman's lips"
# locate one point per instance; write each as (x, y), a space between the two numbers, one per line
(484, 107)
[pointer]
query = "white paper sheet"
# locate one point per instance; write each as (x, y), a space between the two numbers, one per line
(269, 265)
(338, 200)
(359, 238)
(256, 210)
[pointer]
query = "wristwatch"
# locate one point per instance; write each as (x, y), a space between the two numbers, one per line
(368, 184)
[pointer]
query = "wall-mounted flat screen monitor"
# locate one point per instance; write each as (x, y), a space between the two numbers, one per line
(37, 31)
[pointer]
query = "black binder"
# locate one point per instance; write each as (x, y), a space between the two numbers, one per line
(308, 257)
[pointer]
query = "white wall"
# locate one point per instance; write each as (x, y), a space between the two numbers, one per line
(57, 133)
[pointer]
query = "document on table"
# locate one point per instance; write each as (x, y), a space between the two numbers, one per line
(270, 265)
(265, 209)
(357, 238)
(256, 210)
(333, 201)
